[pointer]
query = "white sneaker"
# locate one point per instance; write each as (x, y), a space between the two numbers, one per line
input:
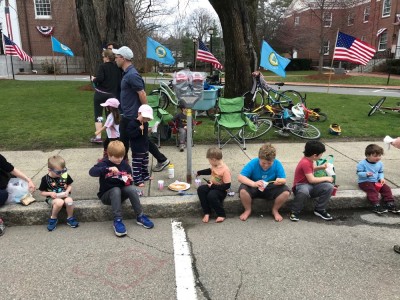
(388, 140)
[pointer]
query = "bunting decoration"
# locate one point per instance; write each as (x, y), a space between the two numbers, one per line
(45, 30)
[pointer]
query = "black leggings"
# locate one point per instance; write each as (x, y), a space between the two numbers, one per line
(98, 99)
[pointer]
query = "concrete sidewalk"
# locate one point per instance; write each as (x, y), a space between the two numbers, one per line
(167, 203)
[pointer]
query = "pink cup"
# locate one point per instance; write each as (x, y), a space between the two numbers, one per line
(378, 186)
(197, 182)
(335, 188)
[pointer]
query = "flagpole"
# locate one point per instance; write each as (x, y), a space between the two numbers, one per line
(66, 62)
(330, 73)
(54, 67)
(12, 67)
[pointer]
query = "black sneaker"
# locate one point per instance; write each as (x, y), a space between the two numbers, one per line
(378, 209)
(294, 217)
(396, 248)
(323, 214)
(392, 208)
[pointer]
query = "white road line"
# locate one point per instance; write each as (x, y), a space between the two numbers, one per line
(185, 285)
(377, 91)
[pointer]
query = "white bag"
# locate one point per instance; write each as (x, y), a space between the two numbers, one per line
(17, 189)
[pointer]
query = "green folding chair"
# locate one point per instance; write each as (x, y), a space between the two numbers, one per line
(160, 116)
(231, 119)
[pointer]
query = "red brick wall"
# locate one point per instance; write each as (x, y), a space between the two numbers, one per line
(63, 19)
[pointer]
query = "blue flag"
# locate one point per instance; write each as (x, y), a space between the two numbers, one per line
(158, 52)
(272, 61)
(61, 48)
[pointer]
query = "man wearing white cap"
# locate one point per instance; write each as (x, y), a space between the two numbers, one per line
(132, 96)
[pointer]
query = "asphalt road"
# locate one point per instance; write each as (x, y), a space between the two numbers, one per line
(348, 258)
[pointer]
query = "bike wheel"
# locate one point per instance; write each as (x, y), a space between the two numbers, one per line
(377, 106)
(289, 98)
(163, 98)
(262, 126)
(317, 117)
(304, 130)
(212, 112)
(252, 101)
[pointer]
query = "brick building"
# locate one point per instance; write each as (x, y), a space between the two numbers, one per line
(33, 23)
(376, 22)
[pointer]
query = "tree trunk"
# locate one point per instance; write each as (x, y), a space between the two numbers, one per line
(115, 20)
(238, 21)
(89, 34)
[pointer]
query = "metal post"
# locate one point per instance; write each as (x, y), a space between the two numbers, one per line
(211, 35)
(189, 146)
(194, 39)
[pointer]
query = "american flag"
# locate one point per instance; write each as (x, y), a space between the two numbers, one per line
(13, 49)
(203, 54)
(351, 49)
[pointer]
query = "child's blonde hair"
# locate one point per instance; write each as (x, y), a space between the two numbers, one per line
(56, 161)
(267, 152)
(116, 149)
(214, 153)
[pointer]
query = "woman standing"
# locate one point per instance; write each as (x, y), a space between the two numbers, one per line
(107, 85)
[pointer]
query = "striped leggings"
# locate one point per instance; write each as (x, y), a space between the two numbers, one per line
(140, 171)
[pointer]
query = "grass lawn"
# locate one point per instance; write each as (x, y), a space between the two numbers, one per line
(49, 115)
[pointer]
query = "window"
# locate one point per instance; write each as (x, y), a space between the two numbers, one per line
(386, 8)
(327, 19)
(296, 21)
(366, 14)
(350, 19)
(383, 41)
(326, 48)
(42, 9)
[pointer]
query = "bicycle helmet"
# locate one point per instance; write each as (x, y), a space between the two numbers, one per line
(298, 112)
(335, 129)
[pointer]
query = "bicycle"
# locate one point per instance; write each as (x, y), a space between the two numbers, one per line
(286, 120)
(166, 94)
(314, 114)
(261, 93)
(378, 107)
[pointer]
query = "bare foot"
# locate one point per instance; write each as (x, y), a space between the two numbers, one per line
(277, 216)
(219, 220)
(245, 215)
(206, 218)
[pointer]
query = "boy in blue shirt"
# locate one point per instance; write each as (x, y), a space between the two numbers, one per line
(371, 180)
(263, 177)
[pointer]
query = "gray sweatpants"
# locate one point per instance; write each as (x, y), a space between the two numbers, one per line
(304, 191)
(117, 195)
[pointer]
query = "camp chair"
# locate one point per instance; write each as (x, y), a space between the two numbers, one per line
(232, 120)
(160, 116)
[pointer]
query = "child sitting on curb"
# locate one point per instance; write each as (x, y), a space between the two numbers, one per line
(56, 187)
(116, 186)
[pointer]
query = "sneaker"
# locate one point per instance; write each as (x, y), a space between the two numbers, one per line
(2, 227)
(96, 140)
(294, 217)
(119, 228)
(378, 209)
(323, 214)
(52, 224)
(181, 147)
(392, 208)
(161, 166)
(144, 221)
(396, 248)
(72, 222)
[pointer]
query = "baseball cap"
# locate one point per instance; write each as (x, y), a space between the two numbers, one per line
(111, 102)
(124, 51)
(146, 111)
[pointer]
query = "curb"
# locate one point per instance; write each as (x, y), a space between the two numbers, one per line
(165, 207)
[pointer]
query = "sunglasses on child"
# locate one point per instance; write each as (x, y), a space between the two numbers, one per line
(59, 172)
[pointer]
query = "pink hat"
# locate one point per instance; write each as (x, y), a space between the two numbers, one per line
(146, 111)
(111, 102)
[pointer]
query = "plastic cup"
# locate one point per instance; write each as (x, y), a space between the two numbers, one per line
(378, 186)
(197, 182)
(261, 189)
(335, 188)
(160, 184)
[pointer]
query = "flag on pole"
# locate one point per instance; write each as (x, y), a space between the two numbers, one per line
(159, 52)
(8, 21)
(61, 48)
(203, 54)
(351, 49)
(12, 49)
(272, 61)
